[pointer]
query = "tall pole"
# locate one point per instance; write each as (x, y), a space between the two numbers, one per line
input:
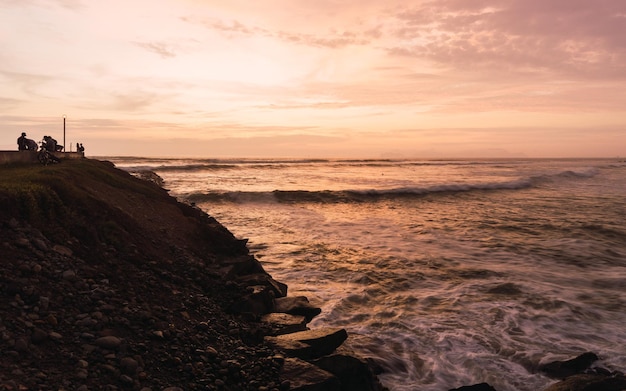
(64, 134)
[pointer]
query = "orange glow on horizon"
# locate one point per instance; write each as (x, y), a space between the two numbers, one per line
(360, 78)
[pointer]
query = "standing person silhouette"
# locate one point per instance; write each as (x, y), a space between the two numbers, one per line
(21, 142)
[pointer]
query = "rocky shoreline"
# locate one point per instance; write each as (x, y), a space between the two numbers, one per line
(109, 283)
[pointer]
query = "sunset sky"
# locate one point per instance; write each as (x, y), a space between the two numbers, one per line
(323, 78)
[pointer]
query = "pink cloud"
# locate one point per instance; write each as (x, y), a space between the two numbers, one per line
(569, 37)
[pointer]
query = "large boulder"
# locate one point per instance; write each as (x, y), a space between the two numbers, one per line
(281, 323)
(353, 373)
(563, 369)
(297, 305)
(475, 387)
(303, 376)
(279, 289)
(311, 343)
(236, 266)
(590, 382)
(259, 301)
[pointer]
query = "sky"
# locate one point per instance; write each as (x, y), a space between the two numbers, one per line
(323, 78)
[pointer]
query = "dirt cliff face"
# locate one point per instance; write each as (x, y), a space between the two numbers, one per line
(106, 282)
(106, 209)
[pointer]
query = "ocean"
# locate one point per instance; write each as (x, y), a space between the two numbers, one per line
(445, 272)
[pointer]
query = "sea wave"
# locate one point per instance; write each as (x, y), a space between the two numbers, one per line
(164, 164)
(371, 195)
(351, 196)
(196, 167)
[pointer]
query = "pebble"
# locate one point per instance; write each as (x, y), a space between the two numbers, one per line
(54, 335)
(21, 345)
(40, 244)
(62, 250)
(125, 379)
(52, 320)
(38, 336)
(109, 342)
(69, 275)
(129, 365)
(44, 303)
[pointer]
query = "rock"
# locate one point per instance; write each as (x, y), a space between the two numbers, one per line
(260, 301)
(129, 365)
(508, 288)
(69, 275)
(239, 266)
(353, 373)
(22, 242)
(284, 323)
(44, 303)
(563, 369)
(475, 387)
(590, 382)
(13, 223)
(55, 336)
(21, 345)
(52, 320)
(39, 336)
(127, 380)
(62, 250)
(109, 342)
(310, 343)
(298, 305)
(279, 289)
(39, 244)
(81, 373)
(292, 348)
(302, 376)
(211, 351)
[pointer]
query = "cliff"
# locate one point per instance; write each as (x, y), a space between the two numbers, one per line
(107, 282)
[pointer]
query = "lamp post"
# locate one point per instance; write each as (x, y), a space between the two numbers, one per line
(64, 133)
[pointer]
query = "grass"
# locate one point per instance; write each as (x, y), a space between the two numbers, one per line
(74, 199)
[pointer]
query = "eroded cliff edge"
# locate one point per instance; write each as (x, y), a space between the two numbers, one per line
(107, 282)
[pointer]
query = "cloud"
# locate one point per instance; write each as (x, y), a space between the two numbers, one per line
(8, 103)
(159, 48)
(69, 4)
(571, 38)
(332, 39)
(28, 83)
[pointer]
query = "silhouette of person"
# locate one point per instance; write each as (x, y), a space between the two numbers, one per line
(26, 144)
(49, 143)
(21, 142)
(31, 145)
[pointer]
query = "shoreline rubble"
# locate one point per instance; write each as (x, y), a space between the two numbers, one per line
(108, 282)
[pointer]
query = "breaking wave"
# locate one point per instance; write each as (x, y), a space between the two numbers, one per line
(350, 196)
(371, 195)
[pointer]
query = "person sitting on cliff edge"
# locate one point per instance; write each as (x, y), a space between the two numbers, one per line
(51, 144)
(26, 144)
